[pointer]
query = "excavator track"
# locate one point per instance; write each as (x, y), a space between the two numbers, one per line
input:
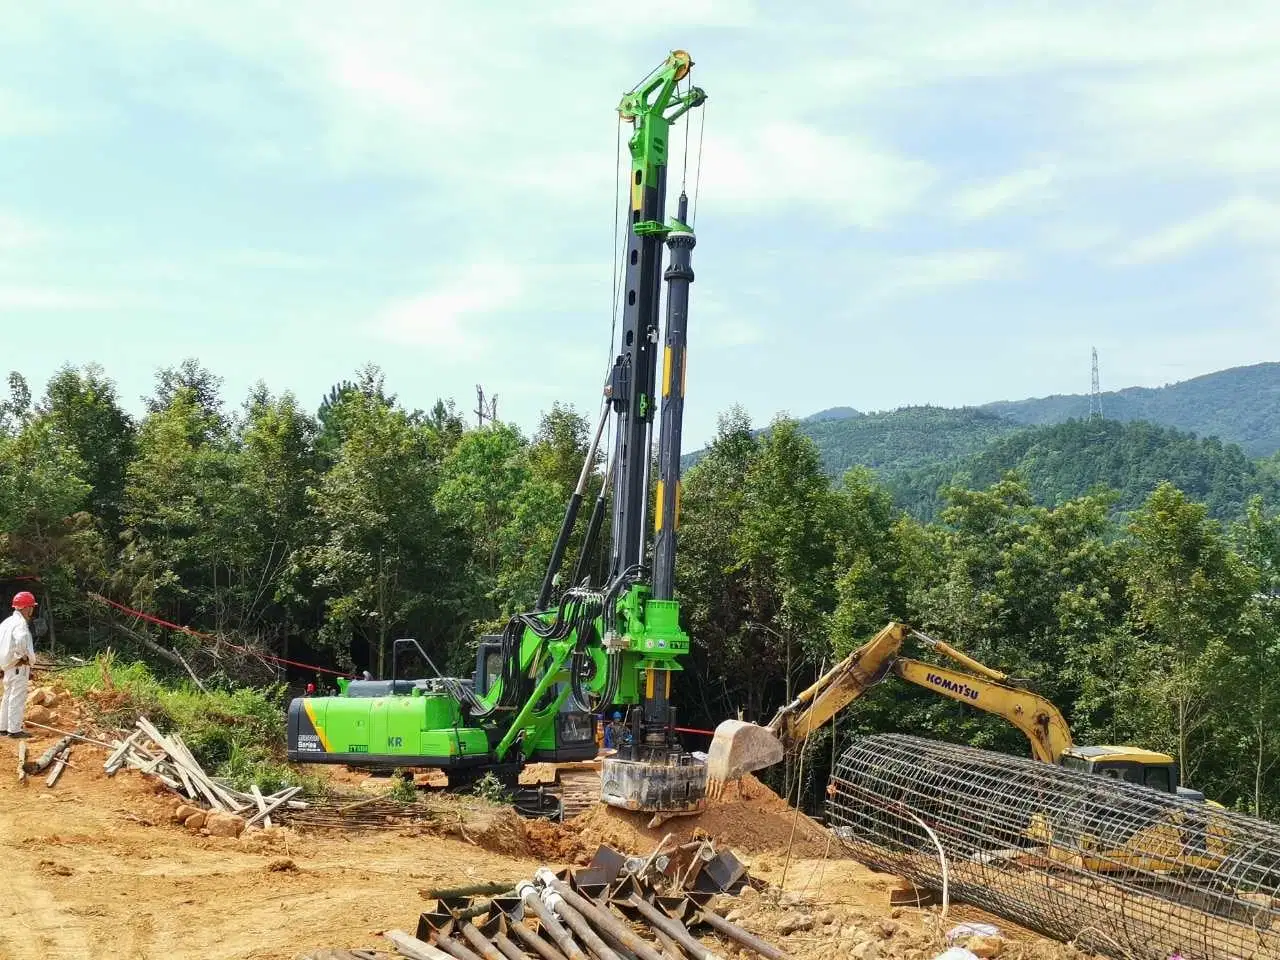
(575, 785)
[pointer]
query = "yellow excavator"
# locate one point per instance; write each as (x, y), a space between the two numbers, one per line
(1167, 845)
(738, 747)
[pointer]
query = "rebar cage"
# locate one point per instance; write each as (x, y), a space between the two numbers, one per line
(1121, 869)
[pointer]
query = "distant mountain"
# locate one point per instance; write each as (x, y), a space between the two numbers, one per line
(1240, 405)
(1066, 460)
(904, 439)
(1199, 433)
(833, 413)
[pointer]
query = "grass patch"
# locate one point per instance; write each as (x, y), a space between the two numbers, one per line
(236, 733)
(490, 789)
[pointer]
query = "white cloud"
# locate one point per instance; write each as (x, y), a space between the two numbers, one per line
(19, 234)
(21, 117)
(1248, 220)
(618, 16)
(274, 260)
(1016, 190)
(787, 166)
(451, 318)
(949, 268)
(50, 298)
(726, 332)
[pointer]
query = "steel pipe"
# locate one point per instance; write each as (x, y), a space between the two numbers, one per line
(740, 936)
(528, 893)
(534, 942)
(590, 937)
(452, 947)
(482, 944)
(602, 918)
(674, 929)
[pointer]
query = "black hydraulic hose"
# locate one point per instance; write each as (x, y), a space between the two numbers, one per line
(557, 552)
(593, 528)
(571, 514)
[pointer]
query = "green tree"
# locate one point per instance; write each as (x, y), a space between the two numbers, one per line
(869, 549)
(712, 584)
(83, 410)
(343, 404)
(16, 410)
(43, 525)
(382, 558)
(1256, 670)
(559, 448)
(479, 483)
(273, 465)
(201, 388)
(1188, 591)
(179, 511)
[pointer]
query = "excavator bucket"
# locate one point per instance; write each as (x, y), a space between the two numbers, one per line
(738, 748)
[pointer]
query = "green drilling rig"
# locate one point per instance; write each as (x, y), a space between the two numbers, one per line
(539, 684)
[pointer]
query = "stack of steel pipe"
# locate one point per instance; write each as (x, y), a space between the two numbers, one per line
(611, 910)
(1119, 868)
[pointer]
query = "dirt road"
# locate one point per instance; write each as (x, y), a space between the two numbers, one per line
(94, 867)
(93, 863)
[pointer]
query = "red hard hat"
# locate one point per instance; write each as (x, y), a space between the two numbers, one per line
(23, 598)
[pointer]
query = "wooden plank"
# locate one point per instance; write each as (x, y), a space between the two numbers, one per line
(182, 757)
(198, 775)
(413, 948)
(118, 754)
(22, 761)
(187, 759)
(58, 767)
(262, 804)
(187, 784)
(273, 804)
(49, 755)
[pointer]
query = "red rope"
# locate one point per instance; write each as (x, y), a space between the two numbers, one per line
(266, 656)
(209, 636)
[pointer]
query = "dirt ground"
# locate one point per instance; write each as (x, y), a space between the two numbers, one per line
(96, 861)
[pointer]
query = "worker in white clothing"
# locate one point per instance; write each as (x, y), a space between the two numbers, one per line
(16, 651)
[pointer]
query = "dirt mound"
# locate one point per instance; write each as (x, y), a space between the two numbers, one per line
(750, 819)
(496, 828)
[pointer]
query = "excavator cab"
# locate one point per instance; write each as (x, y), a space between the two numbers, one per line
(1147, 768)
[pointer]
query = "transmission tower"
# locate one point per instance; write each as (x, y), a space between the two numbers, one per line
(485, 410)
(1095, 391)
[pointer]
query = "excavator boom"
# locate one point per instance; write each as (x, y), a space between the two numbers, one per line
(739, 748)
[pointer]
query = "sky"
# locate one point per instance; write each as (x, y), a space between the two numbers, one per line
(897, 203)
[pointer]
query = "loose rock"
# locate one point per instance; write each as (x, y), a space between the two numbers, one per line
(39, 714)
(794, 924)
(224, 825)
(984, 946)
(183, 811)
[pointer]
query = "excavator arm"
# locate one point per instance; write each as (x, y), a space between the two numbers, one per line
(1035, 716)
(739, 748)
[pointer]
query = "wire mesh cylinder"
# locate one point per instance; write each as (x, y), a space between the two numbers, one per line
(1122, 869)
